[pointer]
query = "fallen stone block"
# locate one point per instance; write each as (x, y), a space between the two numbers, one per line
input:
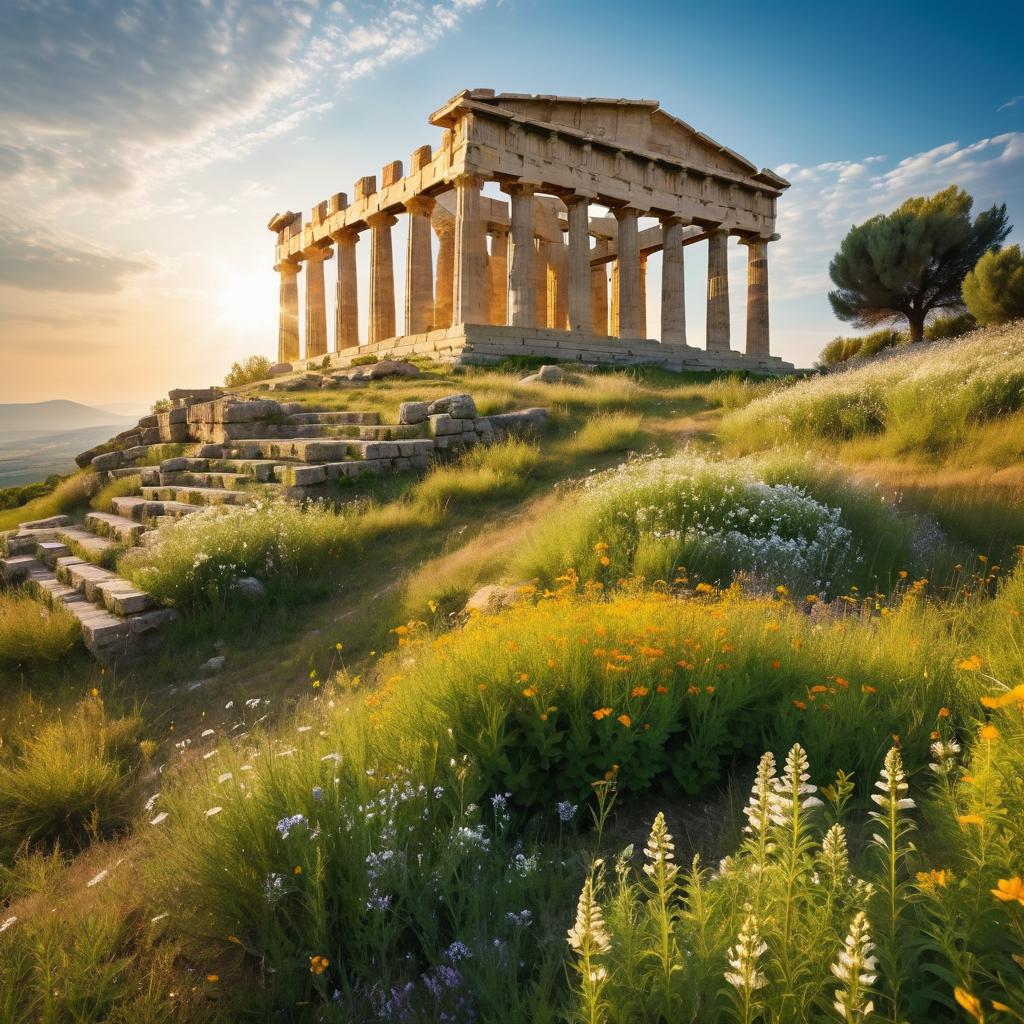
(109, 460)
(460, 406)
(392, 368)
(280, 369)
(413, 412)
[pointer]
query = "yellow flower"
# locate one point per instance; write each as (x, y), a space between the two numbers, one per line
(970, 1003)
(318, 964)
(782, 591)
(213, 978)
(297, 870)
(338, 646)
(600, 546)
(971, 664)
(95, 692)
(970, 819)
(530, 691)
(902, 574)
(432, 605)
(601, 713)
(605, 560)
(929, 879)
(639, 691)
(989, 733)
(1010, 889)
(811, 598)
(624, 720)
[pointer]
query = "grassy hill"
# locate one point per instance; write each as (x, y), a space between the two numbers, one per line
(388, 808)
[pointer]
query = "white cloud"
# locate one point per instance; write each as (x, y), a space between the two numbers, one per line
(827, 198)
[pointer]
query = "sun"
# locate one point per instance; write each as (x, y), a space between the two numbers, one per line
(245, 302)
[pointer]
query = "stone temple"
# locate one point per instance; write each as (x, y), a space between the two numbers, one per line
(555, 265)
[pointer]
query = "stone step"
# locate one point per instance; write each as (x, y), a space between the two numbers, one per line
(109, 636)
(100, 586)
(225, 481)
(23, 541)
(151, 513)
(86, 542)
(48, 551)
(15, 568)
(334, 418)
(111, 524)
(392, 431)
(199, 496)
(300, 450)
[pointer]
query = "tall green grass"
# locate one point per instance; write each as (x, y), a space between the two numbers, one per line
(69, 495)
(33, 632)
(483, 472)
(926, 400)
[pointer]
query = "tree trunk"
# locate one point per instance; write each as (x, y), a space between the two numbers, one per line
(916, 324)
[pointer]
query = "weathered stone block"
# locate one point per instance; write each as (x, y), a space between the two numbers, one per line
(148, 421)
(109, 460)
(459, 406)
(413, 412)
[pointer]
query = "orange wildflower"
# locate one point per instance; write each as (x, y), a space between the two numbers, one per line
(776, 664)
(601, 713)
(1010, 890)
(989, 733)
(624, 720)
(799, 705)
(639, 691)
(318, 964)
(693, 690)
(868, 689)
(605, 560)
(970, 819)
(971, 664)
(818, 688)
(943, 712)
(530, 691)
(709, 689)
(930, 879)
(972, 1004)
(843, 683)
(662, 689)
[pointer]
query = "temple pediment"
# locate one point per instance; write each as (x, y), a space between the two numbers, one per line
(639, 126)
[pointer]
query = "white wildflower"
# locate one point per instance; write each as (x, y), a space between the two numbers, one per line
(892, 783)
(159, 819)
(855, 969)
(588, 935)
(743, 957)
(659, 851)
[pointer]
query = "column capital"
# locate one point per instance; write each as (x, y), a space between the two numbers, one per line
(520, 188)
(575, 197)
(671, 219)
(421, 206)
(287, 267)
(718, 232)
(622, 212)
(381, 220)
(317, 253)
(757, 239)
(345, 236)
(467, 179)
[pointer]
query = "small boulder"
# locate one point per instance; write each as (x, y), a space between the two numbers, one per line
(213, 666)
(250, 588)
(280, 369)
(392, 368)
(493, 598)
(547, 374)
(459, 407)
(412, 412)
(108, 460)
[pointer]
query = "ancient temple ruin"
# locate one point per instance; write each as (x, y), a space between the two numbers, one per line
(557, 269)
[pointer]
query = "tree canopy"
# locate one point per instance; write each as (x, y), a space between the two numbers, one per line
(994, 289)
(913, 261)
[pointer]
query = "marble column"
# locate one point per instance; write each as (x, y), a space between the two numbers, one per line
(316, 303)
(643, 296)
(288, 318)
(419, 268)
(469, 298)
(558, 286)
(522, 297)
(628, 285)
(599, 296)
(757, 297)
(540, 282)
(346, 300)
(581, 315)
(444, 285)
(613, 306)
(382, 277)
(499, 276)
(673, 284)
(718, 292)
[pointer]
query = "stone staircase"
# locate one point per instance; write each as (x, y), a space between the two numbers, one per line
(60, 563)
(241, 452)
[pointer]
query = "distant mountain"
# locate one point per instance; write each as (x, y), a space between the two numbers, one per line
(36, 418)
(134, 409)
(24, 459)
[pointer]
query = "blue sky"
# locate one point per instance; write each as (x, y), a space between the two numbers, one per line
(143, 146)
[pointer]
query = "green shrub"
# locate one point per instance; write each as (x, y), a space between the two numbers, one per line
(955, 325)
(162, 405)
(69, 780)
(994, 289)
(30, 631)
(249, 371)
(363, 360)
(841, 350)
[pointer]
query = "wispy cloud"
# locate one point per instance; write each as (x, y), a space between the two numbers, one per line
(827, 198)
(105, 102)
(1010, 103)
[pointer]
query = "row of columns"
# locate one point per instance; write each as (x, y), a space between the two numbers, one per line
(510, 284)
